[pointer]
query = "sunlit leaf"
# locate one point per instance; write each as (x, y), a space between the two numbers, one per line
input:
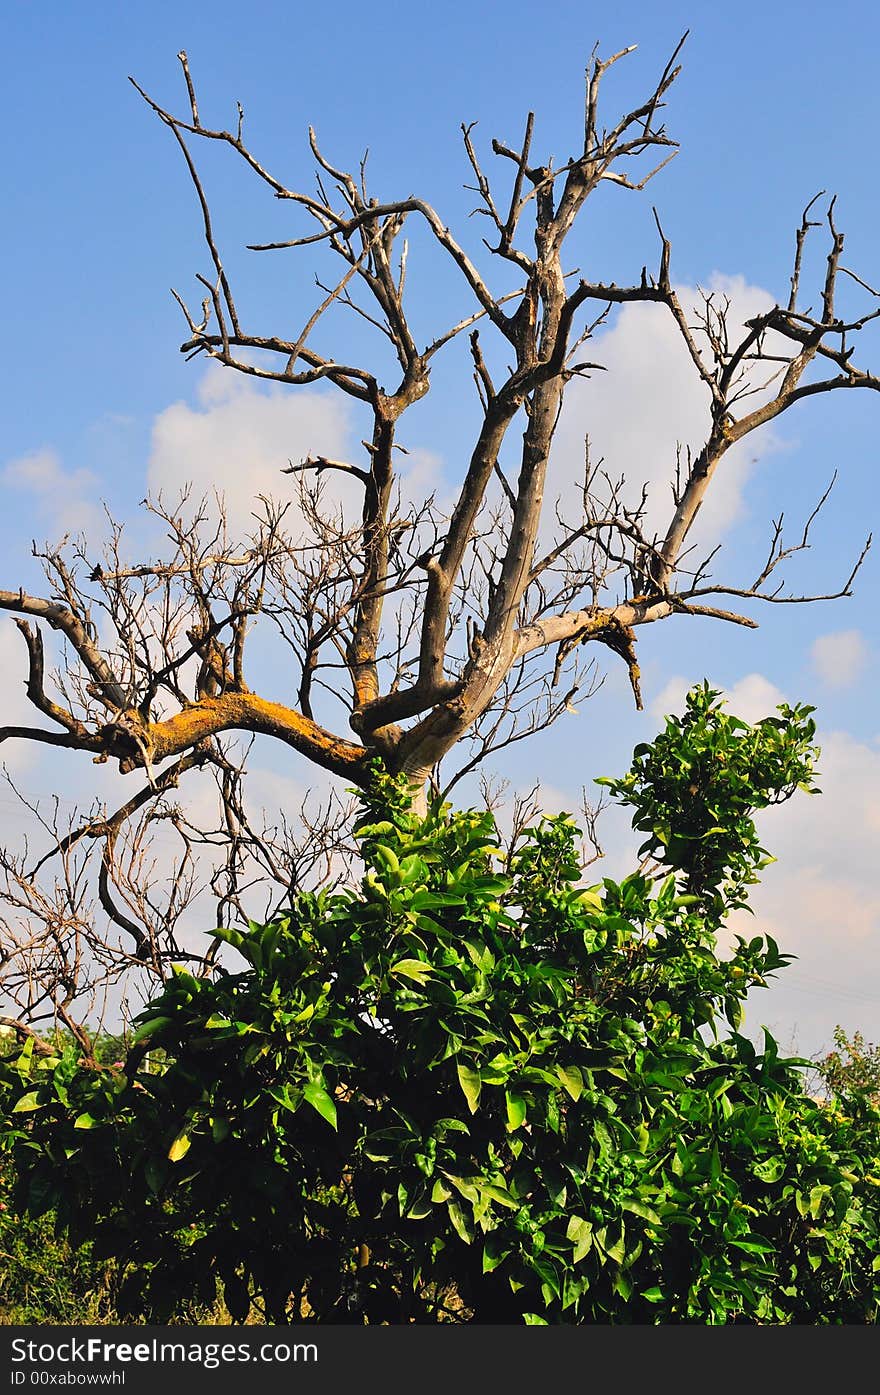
(181, 1145)
(319, 1099)
(471, 1084)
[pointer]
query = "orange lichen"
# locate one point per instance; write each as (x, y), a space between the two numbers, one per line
(249, 712)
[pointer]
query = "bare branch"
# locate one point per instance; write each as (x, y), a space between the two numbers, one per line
(422, 623)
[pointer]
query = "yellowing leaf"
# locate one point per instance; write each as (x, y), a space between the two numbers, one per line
(415, 969)
(180, 1146)
(27, 1103)
(589, 900)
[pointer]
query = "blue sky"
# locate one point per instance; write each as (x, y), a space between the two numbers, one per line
(774, 103)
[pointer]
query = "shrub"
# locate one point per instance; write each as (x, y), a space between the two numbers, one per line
(474, 1089)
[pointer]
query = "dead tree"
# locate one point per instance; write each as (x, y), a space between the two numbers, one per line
(409, 628)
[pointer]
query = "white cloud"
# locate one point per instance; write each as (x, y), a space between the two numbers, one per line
(670, 699)
(60, 501)
(240, 437)
(649, 399)
(420, 475)
(750, 698)
(839, 658)
(821, 900)
(753, 697)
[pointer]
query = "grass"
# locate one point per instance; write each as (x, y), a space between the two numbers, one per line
(46, 1281)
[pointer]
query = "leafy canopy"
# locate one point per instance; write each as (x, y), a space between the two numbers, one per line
(474, 1089)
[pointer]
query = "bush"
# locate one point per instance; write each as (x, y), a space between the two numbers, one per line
(44, 1278)
(473, 1089)
(852, 1070)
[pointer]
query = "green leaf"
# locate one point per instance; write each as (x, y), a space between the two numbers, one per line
(615, 1251)
(155, 1174)
(754, 1245)
(415, 969)
(580, 1232)
(460, 1222)
(319, 1099)
(818, 1197)
(467, 1186)
(714, 1163)
(499, 1194)
(638, 1208)
(494, 1253)
(148, 1029)
(603, 1138)
(84, 1121)
(471, 1084)
(589, 900)
(27, 1103)
(431, 901)
(372, 830)
(572, 1080)
(516, 1110)
(386, 858)
(229, 935)
(282, 1095)
(480, 955)
(420, 1210)
(23, 1062)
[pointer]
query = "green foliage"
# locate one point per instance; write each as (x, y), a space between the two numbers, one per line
(694, 790)
(43, 1277)
(473, 1089)
(852, 1070)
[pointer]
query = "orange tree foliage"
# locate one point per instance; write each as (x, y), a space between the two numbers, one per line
(474, 1089)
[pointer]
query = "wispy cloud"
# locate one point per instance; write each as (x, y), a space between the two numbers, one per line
(839, 658)
(55, 500)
